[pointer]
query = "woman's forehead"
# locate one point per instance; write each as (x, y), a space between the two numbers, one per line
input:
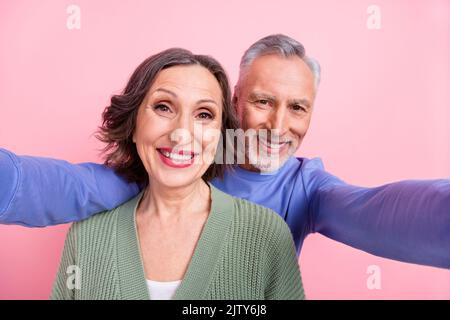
(188, 80)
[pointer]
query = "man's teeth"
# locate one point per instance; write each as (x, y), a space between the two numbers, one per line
(274, 145)
(177, 156)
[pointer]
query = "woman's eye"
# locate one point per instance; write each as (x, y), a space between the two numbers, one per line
(162, 107)
(205, 115)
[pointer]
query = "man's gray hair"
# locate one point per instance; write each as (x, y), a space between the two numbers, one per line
(282, 45)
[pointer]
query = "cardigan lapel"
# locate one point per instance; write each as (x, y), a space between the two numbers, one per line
(132, 281)
(209, 248)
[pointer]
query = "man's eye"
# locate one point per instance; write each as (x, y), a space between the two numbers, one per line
(298, 108)
(263, 103)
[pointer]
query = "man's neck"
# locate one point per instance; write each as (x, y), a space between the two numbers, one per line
(249, 167)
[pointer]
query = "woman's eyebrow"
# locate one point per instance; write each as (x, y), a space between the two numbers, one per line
(206, 100)
(166, 91)
(175, 96)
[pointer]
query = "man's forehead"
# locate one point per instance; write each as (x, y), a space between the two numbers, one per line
(291, 65)
(274, 74)
(279, 70)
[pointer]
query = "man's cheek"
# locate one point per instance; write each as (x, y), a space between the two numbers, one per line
(301, 129)
(254, 119)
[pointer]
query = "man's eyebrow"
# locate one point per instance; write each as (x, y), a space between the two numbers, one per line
(261, 95)
(302, 102)
(175, 96)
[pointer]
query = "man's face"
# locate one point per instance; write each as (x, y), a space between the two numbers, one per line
(275, 94)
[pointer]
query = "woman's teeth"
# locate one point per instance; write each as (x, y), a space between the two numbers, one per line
(177, 156)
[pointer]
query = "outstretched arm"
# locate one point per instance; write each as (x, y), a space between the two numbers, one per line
(407, 221)
(37, 192)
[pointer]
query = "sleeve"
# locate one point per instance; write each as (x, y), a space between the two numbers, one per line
(407, 220)
(38, 192)
(283, 280)
(68, 278)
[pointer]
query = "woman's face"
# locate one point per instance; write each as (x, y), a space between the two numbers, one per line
(178, 125)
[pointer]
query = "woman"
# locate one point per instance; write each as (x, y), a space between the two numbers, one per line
(180, 238)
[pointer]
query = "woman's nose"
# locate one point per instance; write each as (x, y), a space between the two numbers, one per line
(183, 131)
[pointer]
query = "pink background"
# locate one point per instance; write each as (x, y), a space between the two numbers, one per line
(382, 113)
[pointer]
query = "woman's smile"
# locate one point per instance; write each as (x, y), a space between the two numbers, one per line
(179, 159)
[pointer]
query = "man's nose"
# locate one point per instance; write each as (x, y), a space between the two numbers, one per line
(278, 120)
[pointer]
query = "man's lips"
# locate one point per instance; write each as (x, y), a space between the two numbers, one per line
(272, 146)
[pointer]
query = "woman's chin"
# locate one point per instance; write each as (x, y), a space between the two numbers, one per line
(176, 179)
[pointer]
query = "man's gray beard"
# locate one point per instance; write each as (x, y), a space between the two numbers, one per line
(266, 164)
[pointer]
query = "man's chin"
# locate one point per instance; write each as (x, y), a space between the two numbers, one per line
(268, 165)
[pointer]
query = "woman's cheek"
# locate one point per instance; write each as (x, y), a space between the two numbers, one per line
(211, 138)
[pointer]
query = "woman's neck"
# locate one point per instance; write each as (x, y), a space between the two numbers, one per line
(167, 203)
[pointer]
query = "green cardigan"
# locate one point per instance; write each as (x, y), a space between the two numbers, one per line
(245, 251)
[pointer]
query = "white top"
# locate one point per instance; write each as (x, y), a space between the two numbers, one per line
(162, 290)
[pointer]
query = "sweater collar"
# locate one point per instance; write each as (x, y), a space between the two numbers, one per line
(206, 255)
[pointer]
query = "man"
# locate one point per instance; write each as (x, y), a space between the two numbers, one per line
(407, 221)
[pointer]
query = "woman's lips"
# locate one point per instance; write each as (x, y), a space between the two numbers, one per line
(178, 159)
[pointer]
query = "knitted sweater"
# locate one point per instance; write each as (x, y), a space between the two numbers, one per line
(245, 251)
